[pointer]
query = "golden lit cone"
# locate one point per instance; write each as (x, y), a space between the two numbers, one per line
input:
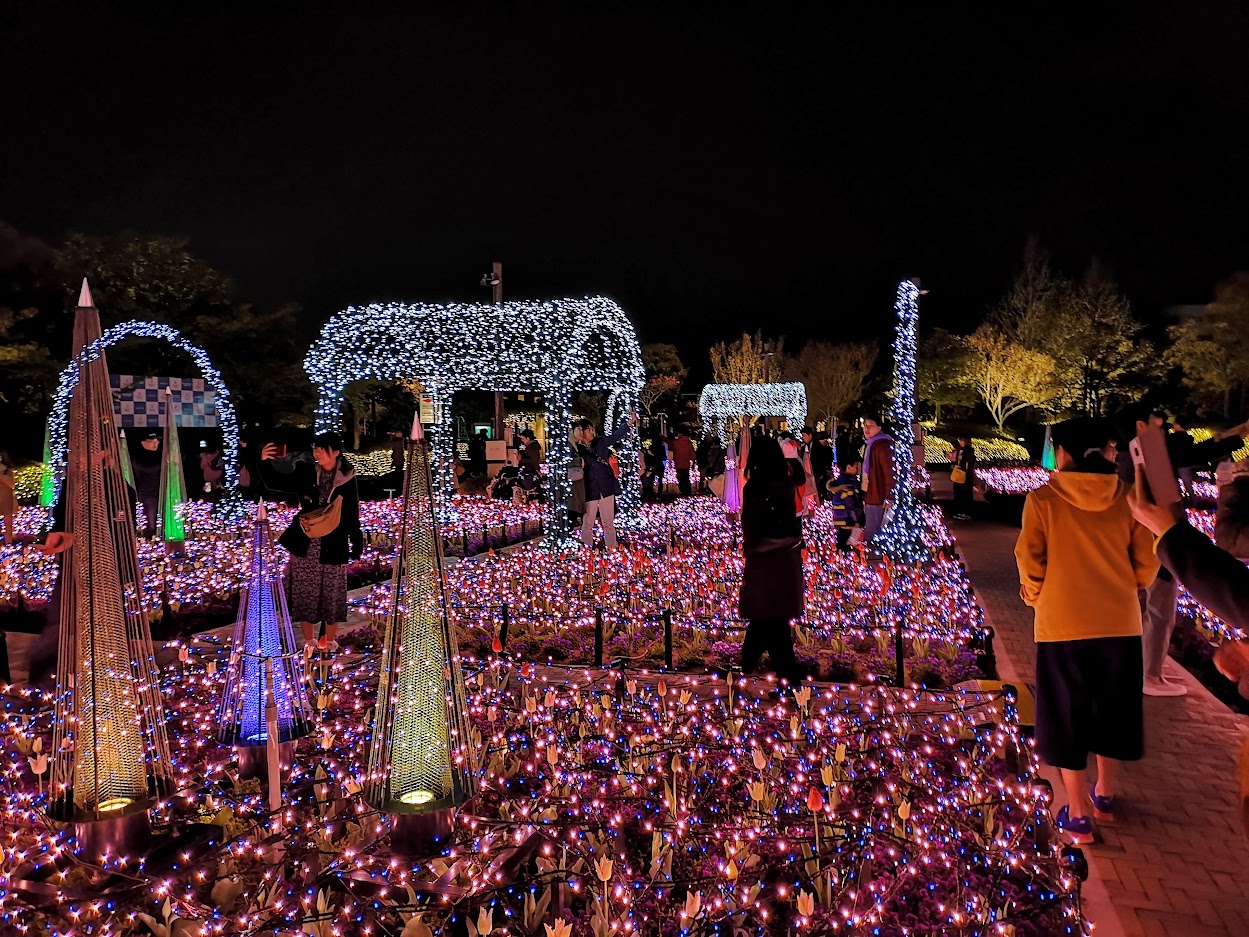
(420, 763)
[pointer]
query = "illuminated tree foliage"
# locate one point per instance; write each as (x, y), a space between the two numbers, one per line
(751, 359)
(833, 376)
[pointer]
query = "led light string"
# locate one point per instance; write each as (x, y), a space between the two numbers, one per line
(59, 420)
(722, 403)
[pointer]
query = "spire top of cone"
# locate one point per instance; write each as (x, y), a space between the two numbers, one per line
(262, 513)
(418, 431)
(84, 296)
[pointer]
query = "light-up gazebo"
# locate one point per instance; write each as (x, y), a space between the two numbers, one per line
(554, 347)
(722, 404)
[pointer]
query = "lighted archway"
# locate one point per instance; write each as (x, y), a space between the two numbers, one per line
(58, 423)
(555, 347)
(722, 403)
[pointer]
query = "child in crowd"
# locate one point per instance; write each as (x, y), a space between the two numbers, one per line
(1082, 559)
(846, 501)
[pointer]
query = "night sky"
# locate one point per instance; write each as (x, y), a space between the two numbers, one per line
(710, 166)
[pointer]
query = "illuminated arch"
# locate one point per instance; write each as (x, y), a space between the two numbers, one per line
(553, 347)
(59, 421)
(721, 403)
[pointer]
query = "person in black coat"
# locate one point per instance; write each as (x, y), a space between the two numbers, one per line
(318, 567)
(773, 590)
(964, 458)
(146, 468)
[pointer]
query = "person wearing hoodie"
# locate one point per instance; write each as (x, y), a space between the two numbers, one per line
(1082, 559)
(1160, 600)
(877, 474)
(318, 565)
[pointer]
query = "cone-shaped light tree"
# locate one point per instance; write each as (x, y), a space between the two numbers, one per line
(172, 479)
(902, 538)
(732, 493)
(263, 633)
(1049, 460)
(421, 764)
(127, 469)
(111, 754)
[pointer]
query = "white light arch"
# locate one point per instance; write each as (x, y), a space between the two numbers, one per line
(553, 347)
(721, 403)
(59, 420)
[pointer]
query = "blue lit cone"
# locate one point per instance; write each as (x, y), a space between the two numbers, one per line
(421, 766)
(263, 632)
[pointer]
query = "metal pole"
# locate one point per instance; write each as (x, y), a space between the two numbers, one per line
(272, 743)
(598, 637)
(503, 627)
(667, 619)
(899, 666)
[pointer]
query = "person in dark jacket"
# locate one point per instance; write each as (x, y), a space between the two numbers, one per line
(477, 454)
(530, 462)
(847, 503)
(682, 459)
(821, 460)
(773, 590)
(654, 464)
(601, 483)
(1160, 600)
(318, 567)
(146, 468)
(963, 459)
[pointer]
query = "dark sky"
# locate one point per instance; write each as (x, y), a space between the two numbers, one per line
(710, 166)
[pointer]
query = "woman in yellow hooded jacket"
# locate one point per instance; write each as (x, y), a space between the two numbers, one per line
(1082, 560)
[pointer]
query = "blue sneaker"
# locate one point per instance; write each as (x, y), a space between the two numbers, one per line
(1078, 829)
(1103, 807)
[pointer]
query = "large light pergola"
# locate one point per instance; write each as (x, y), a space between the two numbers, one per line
(556, 348)
(720, 404)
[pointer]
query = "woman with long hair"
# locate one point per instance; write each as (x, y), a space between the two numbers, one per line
(773, 590)
(326, 490)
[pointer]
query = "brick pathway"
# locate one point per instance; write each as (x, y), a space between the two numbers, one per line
(1176, 863)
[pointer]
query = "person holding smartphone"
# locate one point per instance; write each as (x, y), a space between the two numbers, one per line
(1159, 602)
(1082, 559)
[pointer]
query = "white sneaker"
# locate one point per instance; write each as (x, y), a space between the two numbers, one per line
(1160, 686)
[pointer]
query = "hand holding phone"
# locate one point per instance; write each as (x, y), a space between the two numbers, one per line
(1149, 452)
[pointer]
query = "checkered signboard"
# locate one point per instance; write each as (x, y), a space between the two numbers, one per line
(140, 401)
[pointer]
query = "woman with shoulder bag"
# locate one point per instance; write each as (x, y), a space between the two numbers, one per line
(773, 589)
(963, 476)
(323, 537)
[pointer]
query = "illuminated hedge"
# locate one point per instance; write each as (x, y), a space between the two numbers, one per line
(555, 348)
(937, 450)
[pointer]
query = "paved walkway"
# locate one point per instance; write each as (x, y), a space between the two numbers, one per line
(1176, 863)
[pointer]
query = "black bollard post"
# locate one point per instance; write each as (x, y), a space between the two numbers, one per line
(598, 637)
(898, 663)
(667, 618)
(503, 626)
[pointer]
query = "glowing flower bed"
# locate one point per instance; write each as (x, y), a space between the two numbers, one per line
(1016, 481)
(685, 806)
(937, 451)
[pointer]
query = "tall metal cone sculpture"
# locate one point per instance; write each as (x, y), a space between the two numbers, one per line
(262, 633)
(111, 755)
(172, 479)
(421, 764)
(127, 469)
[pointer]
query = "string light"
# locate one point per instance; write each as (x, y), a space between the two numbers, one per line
(555, 348)
(720, 404)
(902, 538)
(138, 329)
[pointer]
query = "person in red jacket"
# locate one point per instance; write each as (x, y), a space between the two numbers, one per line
(682, 459)
(877, 474)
